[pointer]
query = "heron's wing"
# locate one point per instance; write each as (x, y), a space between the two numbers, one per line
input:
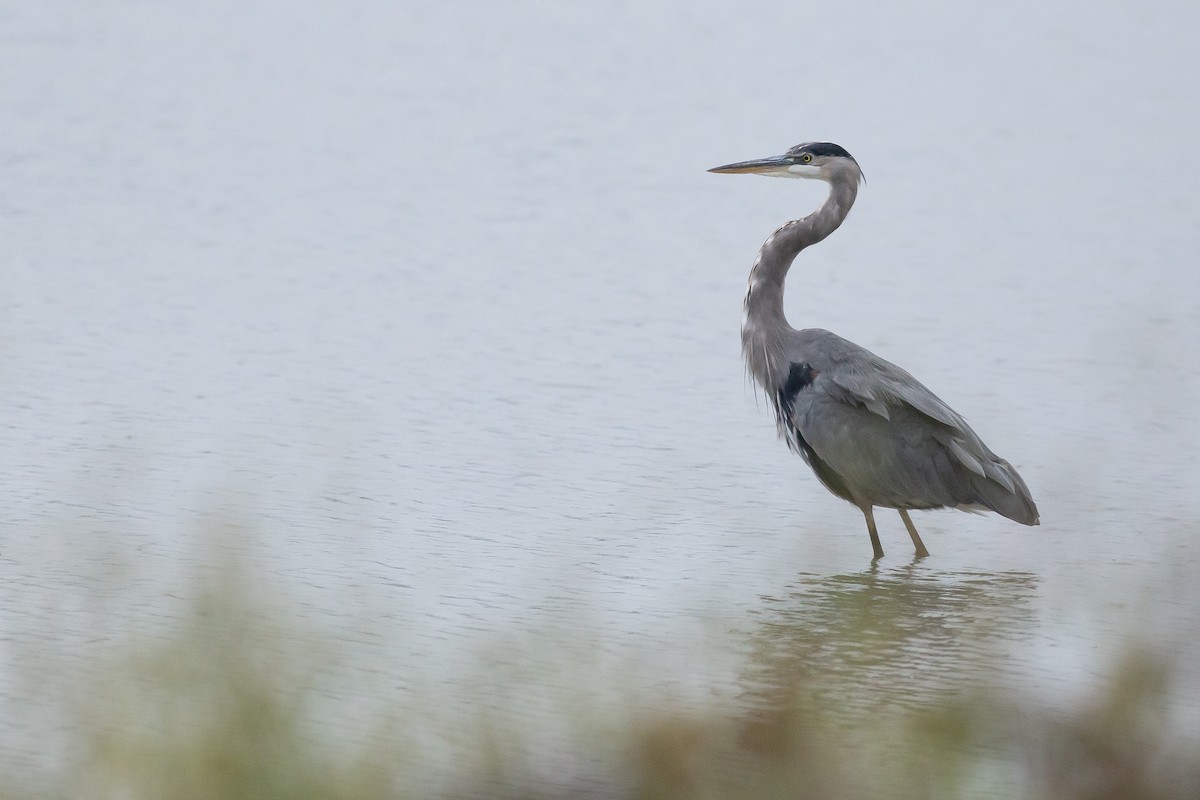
(900, 460)
(880, 429)
(877, 385)
(865, 380)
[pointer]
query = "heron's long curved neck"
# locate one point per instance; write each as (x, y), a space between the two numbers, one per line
(765, 324)
(764, 301)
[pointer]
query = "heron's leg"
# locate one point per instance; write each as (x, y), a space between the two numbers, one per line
(869, 513)
(912, 531)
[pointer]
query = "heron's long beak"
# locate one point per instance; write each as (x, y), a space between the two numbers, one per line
(775, 165)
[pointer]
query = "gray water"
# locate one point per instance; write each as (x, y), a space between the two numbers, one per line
(437, 302)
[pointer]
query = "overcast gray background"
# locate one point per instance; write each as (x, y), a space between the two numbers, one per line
(437, 300)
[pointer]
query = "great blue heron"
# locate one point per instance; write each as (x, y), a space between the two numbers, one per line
(870, 431)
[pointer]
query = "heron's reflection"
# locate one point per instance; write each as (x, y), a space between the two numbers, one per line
(899, 636)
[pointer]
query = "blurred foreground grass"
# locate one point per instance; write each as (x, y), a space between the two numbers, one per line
(230, 702)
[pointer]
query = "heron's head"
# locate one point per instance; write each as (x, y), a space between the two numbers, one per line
(822, 161)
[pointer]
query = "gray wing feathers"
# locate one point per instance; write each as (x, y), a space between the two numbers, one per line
(896, 444)
(966, 459)
(1014, 503)
(874, 381)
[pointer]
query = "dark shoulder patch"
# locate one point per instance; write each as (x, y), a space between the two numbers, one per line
(800, 377)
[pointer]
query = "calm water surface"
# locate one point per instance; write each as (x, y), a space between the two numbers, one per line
(439, 304)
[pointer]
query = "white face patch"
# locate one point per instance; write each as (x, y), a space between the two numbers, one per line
(804, 171)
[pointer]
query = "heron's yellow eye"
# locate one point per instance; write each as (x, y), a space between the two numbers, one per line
(806, 158)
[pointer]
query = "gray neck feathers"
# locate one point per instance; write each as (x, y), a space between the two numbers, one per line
(765, 328)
